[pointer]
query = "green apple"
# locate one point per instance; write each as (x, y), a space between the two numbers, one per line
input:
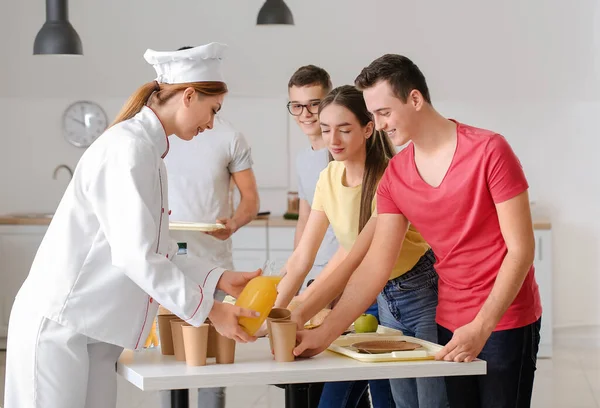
(366, 323)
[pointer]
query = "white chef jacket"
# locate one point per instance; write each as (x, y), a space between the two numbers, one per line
(106, 260)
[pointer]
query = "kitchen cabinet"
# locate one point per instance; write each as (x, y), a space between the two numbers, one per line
(253, 245)
(18, 246)
(281, 243)
(250, 247)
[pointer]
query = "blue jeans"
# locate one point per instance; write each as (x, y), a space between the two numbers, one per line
(408, 303)
(351, 394)
(511, 357)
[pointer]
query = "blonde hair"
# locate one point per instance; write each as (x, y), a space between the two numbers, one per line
(162, 93)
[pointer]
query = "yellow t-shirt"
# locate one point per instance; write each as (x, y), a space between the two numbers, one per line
(341, 204)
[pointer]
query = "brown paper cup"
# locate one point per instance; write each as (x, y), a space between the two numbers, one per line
(225, 350)
(178, 339)
(164, 311)
(277, 313)
(212, 341)
(284, 340)
(195, 343)
(164, 331)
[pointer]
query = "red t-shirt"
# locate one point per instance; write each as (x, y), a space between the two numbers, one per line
(459, 221)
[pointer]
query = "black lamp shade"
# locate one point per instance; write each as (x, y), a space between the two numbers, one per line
(274, 12)
(57, 35)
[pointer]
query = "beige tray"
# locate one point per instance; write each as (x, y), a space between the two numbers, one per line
(194, 226)
(341, 346)
(381, 330)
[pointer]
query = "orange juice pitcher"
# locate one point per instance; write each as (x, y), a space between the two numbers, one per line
(259, 295)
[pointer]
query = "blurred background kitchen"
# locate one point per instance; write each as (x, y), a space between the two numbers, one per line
(527, 69)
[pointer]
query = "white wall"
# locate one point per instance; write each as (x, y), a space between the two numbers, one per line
(529, 69)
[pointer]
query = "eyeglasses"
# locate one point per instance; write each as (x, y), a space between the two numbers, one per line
(296, 109)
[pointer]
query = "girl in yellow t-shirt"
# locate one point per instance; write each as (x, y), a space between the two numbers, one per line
(344, 198)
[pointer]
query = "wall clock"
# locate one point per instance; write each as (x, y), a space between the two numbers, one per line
(83, 122)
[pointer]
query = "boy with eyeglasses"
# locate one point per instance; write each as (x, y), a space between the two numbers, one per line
(307, 86)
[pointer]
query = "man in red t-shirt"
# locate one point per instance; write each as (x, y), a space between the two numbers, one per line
(464, 190)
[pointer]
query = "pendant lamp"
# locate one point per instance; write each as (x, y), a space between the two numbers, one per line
(275, 12)
(57, 35)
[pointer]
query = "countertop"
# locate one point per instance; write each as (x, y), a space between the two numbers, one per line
(274, 221)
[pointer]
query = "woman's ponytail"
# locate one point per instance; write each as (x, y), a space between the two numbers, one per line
(137, 101)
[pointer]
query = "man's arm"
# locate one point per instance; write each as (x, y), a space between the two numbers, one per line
(248, 208)
(368, 280)
(303, 214)
(249, 201)
(332, 281)
(516, 226)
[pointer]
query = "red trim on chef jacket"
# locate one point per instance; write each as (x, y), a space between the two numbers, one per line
(143, 326)
(207, 275)
(201, 300)
(202, 292)
(168, 147)
(164, 130)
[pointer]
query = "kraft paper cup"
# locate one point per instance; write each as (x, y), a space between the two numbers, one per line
(195, 344)
(225, 350)
(284, 340)
(164, 332)
(164, 311)
(277, 313)
(178, 339)
(212, 341)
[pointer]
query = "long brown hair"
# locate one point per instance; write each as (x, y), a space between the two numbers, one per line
(379, 147)
(162, 93)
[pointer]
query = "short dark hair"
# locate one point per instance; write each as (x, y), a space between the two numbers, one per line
(311, 75)
(400, 72)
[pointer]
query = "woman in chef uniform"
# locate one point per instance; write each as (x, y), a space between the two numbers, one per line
(107, 261)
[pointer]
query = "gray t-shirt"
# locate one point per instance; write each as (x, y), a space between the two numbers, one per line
(309, 164)
(199, 172)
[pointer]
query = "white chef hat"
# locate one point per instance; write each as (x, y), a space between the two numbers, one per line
(198, 64)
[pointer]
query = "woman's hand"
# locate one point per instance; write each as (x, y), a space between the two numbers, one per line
(224, 317)
(233, 283)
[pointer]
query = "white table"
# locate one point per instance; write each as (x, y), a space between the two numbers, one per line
(149, 370)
